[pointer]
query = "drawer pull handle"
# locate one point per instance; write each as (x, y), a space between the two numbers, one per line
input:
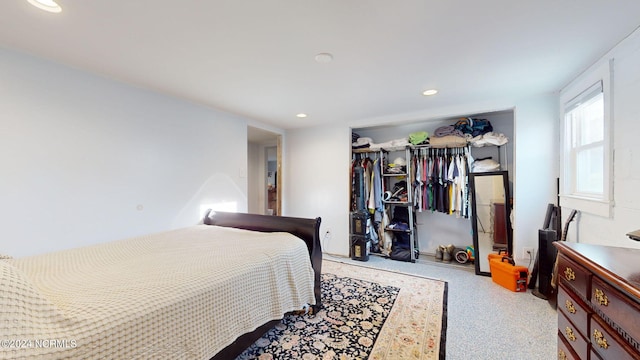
(570, 335)
(569, 274)
(601, 298)
(562, 355)
(599, 338)
(569, 305)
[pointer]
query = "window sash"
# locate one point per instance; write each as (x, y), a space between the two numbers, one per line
(585, 142)
(588, 177)
(587, 121)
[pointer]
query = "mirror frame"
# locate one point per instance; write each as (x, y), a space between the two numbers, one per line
(474, 222)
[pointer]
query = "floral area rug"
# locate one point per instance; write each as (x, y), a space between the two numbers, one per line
(367, 314)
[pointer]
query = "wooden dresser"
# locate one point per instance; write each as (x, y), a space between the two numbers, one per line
(598, 302)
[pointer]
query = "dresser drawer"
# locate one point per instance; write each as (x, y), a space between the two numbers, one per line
(607, 343)
(594, 355)
(574, 309)
(617, 307)
(575, 276)
(574, 337)
(564, 350)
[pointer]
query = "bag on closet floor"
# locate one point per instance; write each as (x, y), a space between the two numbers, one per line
(400, 254)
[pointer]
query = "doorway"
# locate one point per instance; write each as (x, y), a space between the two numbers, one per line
(264, 186)
(272, 179)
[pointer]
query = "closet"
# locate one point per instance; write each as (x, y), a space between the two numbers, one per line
(432, 218)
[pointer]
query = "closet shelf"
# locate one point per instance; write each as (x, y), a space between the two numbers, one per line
(454, 146)
(364, 151)
(421, 146)
(443, 146)
(396, 148)
(402, 203)
(397, 230)
(385, 149)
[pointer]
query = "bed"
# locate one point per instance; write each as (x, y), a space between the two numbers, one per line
(201, 292)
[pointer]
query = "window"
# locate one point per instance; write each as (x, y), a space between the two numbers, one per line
(584, 118)
(586, 159)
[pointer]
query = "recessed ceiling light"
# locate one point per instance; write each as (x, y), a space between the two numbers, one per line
(302, 115)
(46, 5)
(429, 92)
(324, 58)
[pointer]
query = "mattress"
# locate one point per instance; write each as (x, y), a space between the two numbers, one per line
(180, 294)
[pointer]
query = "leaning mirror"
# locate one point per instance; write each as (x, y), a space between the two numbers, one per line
(490, 216)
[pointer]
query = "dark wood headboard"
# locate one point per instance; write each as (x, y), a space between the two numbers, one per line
(306, 229)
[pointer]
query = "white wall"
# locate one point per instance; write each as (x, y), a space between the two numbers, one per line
(81, 154)
(536, 167)
(317, 181)
(595, 229)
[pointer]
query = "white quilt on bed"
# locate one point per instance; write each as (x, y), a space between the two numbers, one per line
(182, 294)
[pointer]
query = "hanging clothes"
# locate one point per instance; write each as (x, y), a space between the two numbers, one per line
(366, 194)
(377, 187)
(441, 180)
(361, 175)
(357, 186)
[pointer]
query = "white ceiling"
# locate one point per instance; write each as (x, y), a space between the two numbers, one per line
(256, 58)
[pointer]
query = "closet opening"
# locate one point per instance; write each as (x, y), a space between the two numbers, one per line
(439, 226)
(264, 162)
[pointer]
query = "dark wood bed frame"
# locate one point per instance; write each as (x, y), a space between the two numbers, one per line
(306, 229)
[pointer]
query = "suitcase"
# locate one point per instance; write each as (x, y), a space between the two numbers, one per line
(505, 273)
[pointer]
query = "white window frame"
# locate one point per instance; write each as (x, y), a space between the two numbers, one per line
(597, 205)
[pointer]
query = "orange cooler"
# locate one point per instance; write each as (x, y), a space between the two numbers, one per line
(498, 256)
(506, 274)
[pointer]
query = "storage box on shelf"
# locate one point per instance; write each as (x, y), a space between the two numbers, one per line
(360, 242)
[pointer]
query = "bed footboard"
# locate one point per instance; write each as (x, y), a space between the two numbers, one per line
(306, 229)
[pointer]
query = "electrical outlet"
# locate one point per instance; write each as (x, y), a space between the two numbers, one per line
(527, 253)
(327, 234)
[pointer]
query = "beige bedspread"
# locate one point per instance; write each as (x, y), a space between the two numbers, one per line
(182, 294)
